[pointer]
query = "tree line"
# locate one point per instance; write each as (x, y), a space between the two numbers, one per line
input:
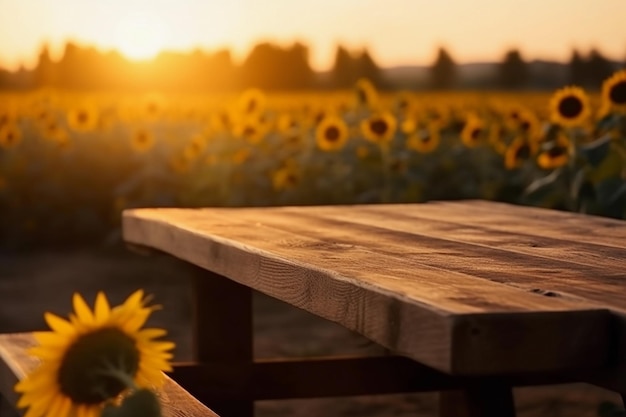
(275, 67)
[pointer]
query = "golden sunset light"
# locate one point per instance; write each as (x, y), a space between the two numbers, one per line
(398, 32)
(140, 36)
(445, 181)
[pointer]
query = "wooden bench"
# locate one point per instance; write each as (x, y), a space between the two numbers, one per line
(473, 295)
(15, 363)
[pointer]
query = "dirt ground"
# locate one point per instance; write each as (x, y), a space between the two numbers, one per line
(31, 283)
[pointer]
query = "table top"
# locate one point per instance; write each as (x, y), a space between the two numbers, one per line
(467, 287)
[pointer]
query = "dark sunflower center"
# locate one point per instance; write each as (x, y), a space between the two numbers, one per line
(249, 131)
(617, 94)
(10, 137)
(379, 126)
(292, 179)
(525, 125)
(475, 133)
(362, 95)
(557, 151)
(570, 107)
(82, 117)
(331, 133)
(80, 375)
(523, 152)
(426, 139)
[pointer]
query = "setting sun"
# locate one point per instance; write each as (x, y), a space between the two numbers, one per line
(140, 36)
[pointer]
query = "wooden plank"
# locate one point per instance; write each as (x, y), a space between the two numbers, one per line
(275, 379)
(595, 281)
(15, 364)
(575, 271)
(457, 228)
(419, 311)
(522, 219)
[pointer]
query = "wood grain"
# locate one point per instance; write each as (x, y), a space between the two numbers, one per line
(15, 364)
(383, 283)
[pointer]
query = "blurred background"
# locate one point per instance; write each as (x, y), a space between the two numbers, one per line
(210, 46)
(121, 104)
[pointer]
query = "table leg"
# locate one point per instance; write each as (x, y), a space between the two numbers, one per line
(482, 400)
(223, 332)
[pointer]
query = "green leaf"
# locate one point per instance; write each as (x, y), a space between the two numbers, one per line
(543, 182)
(596, 151)
(141, 403)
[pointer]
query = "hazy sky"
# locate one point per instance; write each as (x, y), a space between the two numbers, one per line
(396, 31)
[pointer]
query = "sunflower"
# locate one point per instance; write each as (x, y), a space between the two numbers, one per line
(252, 129)
(366, 94)
(408, 125)
(195, 147)
(529, 125)
(570, 107)
(10, 136)
(331, 134)
(473, 131)
(519, 151)
(425, 140)
(241, 156)
(251, 102)
(379, 127)
(142, 140)
(83, 118)
(153, 105)
(496, 138)
(614, 91)
(287, 177)
(286, 123)
(557, 155)
(405, 102)
(53, 132)
(180, 164)
(94, 357)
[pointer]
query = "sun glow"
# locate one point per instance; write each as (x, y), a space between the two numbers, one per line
(140, 36)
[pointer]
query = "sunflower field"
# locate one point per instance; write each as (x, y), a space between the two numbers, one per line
(71, 162)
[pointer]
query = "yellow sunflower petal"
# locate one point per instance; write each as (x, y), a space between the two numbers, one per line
(34, 381)
(152, 333)
(55, 406)
(135, 300)
(102, 309)
(136, 321)
(45, 352)
(50, 338)
(163, 346)
(92, 411)
(83, 312)
(65, 407)
(37, 411)
(58, 324)
(36, 399)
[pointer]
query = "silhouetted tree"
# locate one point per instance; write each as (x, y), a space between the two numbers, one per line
(44, 72)
(513, 72)
(577, 69)
(269, 66)
(343, 73)
(443, 72)
(598, 68)
(366, 67)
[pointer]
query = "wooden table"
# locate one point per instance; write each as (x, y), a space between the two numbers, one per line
(471, 296)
